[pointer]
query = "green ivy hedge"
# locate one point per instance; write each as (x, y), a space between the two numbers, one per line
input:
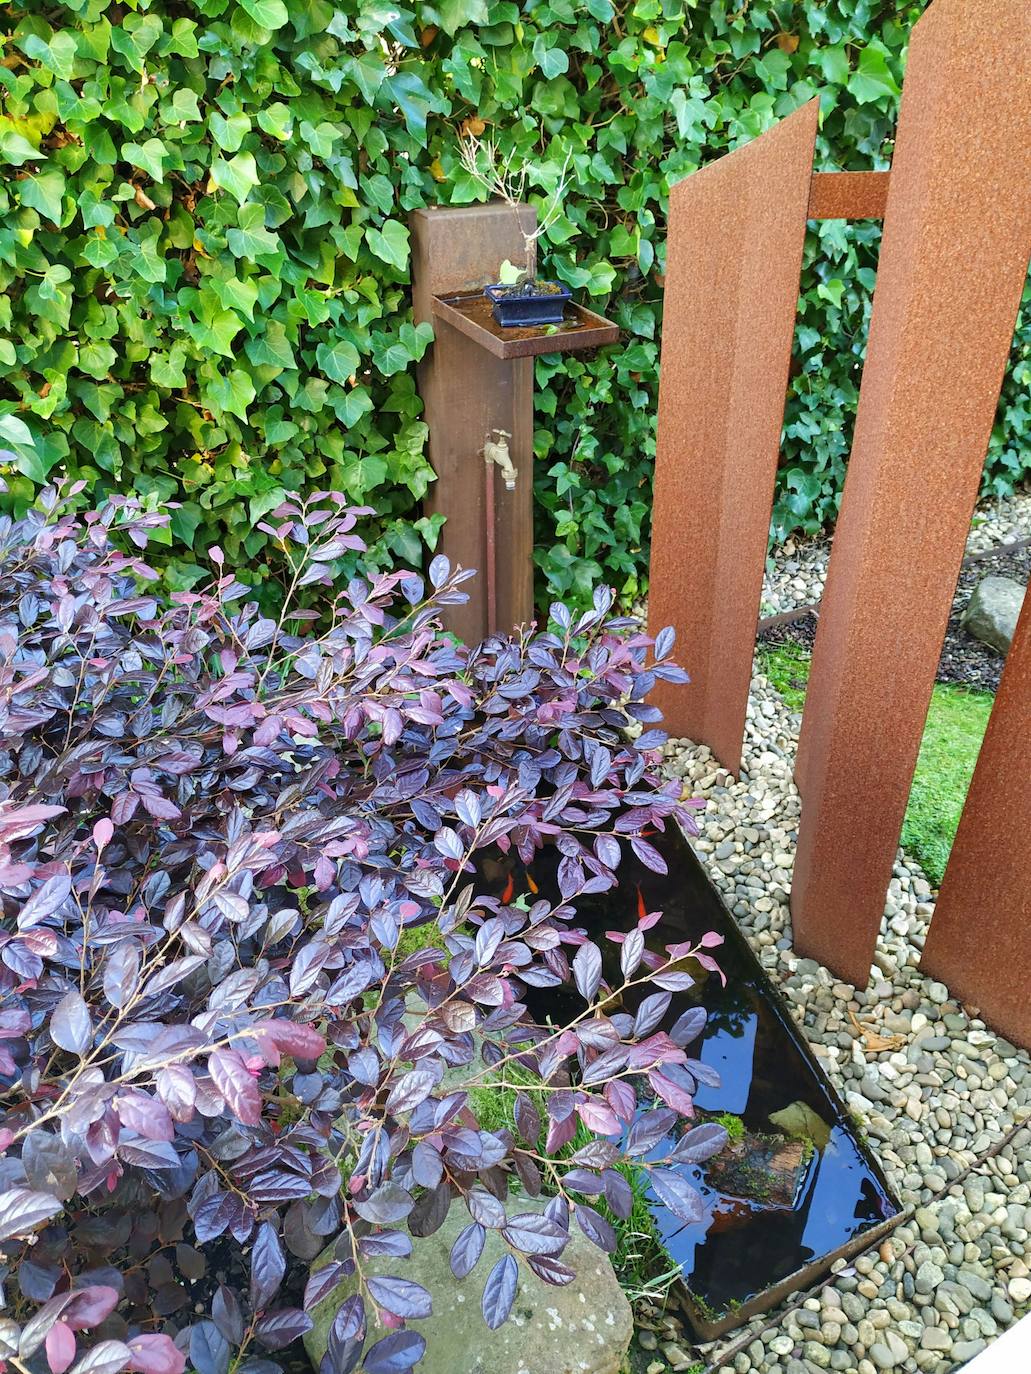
(205, 254)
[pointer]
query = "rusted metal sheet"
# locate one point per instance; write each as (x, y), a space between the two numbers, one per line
(980, 938)
(953, 261)
(848, 195)
(468, 392)
(734, 253)
(472, 314)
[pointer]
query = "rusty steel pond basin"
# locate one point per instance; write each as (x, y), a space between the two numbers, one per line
(748, 1253)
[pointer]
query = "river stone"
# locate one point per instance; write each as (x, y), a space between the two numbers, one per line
(581, 1328)
(992, 611)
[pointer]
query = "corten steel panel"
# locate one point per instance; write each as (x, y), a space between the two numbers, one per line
(848, 195)
(734, 254)
(980, 937)
(466, 392)
(953, 261)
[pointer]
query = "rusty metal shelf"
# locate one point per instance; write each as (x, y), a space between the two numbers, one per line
(472, 314)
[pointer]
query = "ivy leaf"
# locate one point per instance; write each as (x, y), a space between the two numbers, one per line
(251, 239)
(229, 131)
(238, 175)
(14, 148)
(338, 361)
(833, 63)
(390, 243)
(457, 14)
(149, 156)
(872, 80)
(15, 431)
(553, 61)
(270, 14)
(232, 392)
(43, 191)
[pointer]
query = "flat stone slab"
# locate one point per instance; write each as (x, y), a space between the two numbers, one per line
(582, 1328)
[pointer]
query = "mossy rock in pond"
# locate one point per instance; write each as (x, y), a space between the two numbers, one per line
(581, 1328)
(765, 1170)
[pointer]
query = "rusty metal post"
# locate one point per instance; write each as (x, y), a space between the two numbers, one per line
(734, 254)
(953, 262)
(466, 393)
(980, 937)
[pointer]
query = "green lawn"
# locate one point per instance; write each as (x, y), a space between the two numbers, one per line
(955, 726)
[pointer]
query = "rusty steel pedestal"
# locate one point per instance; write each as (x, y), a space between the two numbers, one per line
(475, 380)
(467, 393)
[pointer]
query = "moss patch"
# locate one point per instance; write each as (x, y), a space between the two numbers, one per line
(956, 722)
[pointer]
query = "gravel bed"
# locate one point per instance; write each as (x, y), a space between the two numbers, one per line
(796, 573)
(941, 1097)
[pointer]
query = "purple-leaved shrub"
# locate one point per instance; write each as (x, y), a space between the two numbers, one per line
(223, 840)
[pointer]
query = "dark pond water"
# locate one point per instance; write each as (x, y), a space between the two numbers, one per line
(742, 1249)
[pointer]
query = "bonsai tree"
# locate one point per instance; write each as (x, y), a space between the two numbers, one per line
(482, 160)
(245, 933)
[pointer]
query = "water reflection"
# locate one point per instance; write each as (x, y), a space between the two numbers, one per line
(740, 1248)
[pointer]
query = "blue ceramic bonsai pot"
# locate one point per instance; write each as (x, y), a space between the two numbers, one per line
(528, 303)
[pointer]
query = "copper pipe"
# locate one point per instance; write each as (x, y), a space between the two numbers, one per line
(492, 554)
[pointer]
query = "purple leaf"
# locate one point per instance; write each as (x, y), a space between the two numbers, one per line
(227, 1315)
(485, 1208)
(647, 853)
(551, 1270)
(322, 1282)
(23, 1209)
(144, 1115)
(395, 1353)
(209, 1349)
(499, 1291)
(679, 1195)
(277, 1329)
(394, 1243)
(106, 1357)
(60, 1348)
(89, 1306)
(268, 1265)
(70, 1025)
(388, 1204)
(177, 1089)
(596, 1228)
(631, 951)
(704, 1073)
(674, 1087)
(688, 1026)
(349, 1321)
(664, 642)
(467, 1249)
(648, 1130)
(527, 1119)
(700, 1144)
(427, 1166)
(403, 1297)
(587, 970)
(155, 1354)
(651, 1011)
(233, 1079)
(532, 1233)
(583, 1181)
(618, 1194)
(414, 1087)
